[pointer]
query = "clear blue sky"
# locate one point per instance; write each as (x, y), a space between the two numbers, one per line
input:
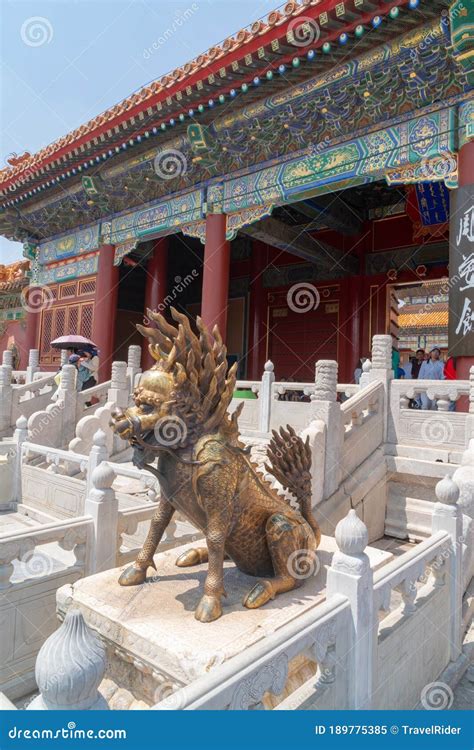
(65, 61)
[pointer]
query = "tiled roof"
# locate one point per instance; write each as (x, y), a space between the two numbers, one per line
(13, 276)
(438, 319)
(277, 25)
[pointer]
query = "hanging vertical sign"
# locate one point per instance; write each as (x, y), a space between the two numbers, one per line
(461, 271)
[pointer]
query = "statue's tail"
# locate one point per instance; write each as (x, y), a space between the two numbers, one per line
(290, 464)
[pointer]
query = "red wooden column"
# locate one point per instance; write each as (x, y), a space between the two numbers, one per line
(465, 177)
(257, 312)
(348, 336)
(155, 289)
(105, 309)
(31, 331)
(215, 283)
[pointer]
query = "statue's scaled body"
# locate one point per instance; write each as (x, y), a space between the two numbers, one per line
(180, 419)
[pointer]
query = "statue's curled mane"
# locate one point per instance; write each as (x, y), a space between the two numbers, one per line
(201, 386)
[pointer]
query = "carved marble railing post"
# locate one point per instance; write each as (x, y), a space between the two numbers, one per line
(365, 378)
(69, 668)
(33, 365)
(381, 369)
(64, 357)
(6, 395)
(119, 392)
(7, 358)
(470, 419)
(324, 406)
(133, 364)
(97, 454)
(67, 397)
(464, 478)
(19, 436)
(102, 504)
(350, 574)
(265, 397)
(447, 516)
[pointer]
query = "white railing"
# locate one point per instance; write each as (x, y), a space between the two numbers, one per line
(62, 421)
(242, 684)
(362, 417)
(149, 483)
(358, 661)
(27, 398)
(275, 404)
(420, 582)
(33, 564)
(88, 401)
(441, 428)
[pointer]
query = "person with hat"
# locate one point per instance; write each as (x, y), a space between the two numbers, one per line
(83, 373)
(432, 369)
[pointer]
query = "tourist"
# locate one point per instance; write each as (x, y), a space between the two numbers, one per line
(451, 374)
(395, 360)
(359, 368)
(432, 369)
(412, 371)
(90, 360)
(416, 363)
(82, 374)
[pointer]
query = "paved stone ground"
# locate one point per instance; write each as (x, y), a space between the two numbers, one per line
(463, 695)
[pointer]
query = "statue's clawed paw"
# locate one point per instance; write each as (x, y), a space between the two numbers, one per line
(261, 593)
(208, 609)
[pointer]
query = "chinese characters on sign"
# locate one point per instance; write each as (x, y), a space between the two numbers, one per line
(461, 270)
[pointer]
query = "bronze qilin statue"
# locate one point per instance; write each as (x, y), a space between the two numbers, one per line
(180, 418)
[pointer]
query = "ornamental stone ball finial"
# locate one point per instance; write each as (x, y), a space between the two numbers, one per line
(22, 423)
(99, 438)
(103, 476)
(447, 491)
(351, 534)
(269, 366)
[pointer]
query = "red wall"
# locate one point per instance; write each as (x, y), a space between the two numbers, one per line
(16, 329)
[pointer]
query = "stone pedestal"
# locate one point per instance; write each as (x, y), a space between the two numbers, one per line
(155, 645)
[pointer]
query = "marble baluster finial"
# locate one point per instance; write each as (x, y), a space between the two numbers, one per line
(69, 668)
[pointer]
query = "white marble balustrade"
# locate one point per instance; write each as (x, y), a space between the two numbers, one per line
(361, 663)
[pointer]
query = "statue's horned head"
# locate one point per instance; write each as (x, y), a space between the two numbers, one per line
(187, 391)
(154, 389)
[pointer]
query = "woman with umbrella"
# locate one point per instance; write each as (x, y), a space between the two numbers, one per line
(88, 352)
(90, 360)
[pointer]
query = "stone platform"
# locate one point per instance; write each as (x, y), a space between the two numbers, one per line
(154, 643)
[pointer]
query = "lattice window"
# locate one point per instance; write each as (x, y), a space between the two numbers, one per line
(46, 332)
(67, 290)
(86, 320)
(73, 319)
(59, 328)
(87, 286)
(53, 292)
